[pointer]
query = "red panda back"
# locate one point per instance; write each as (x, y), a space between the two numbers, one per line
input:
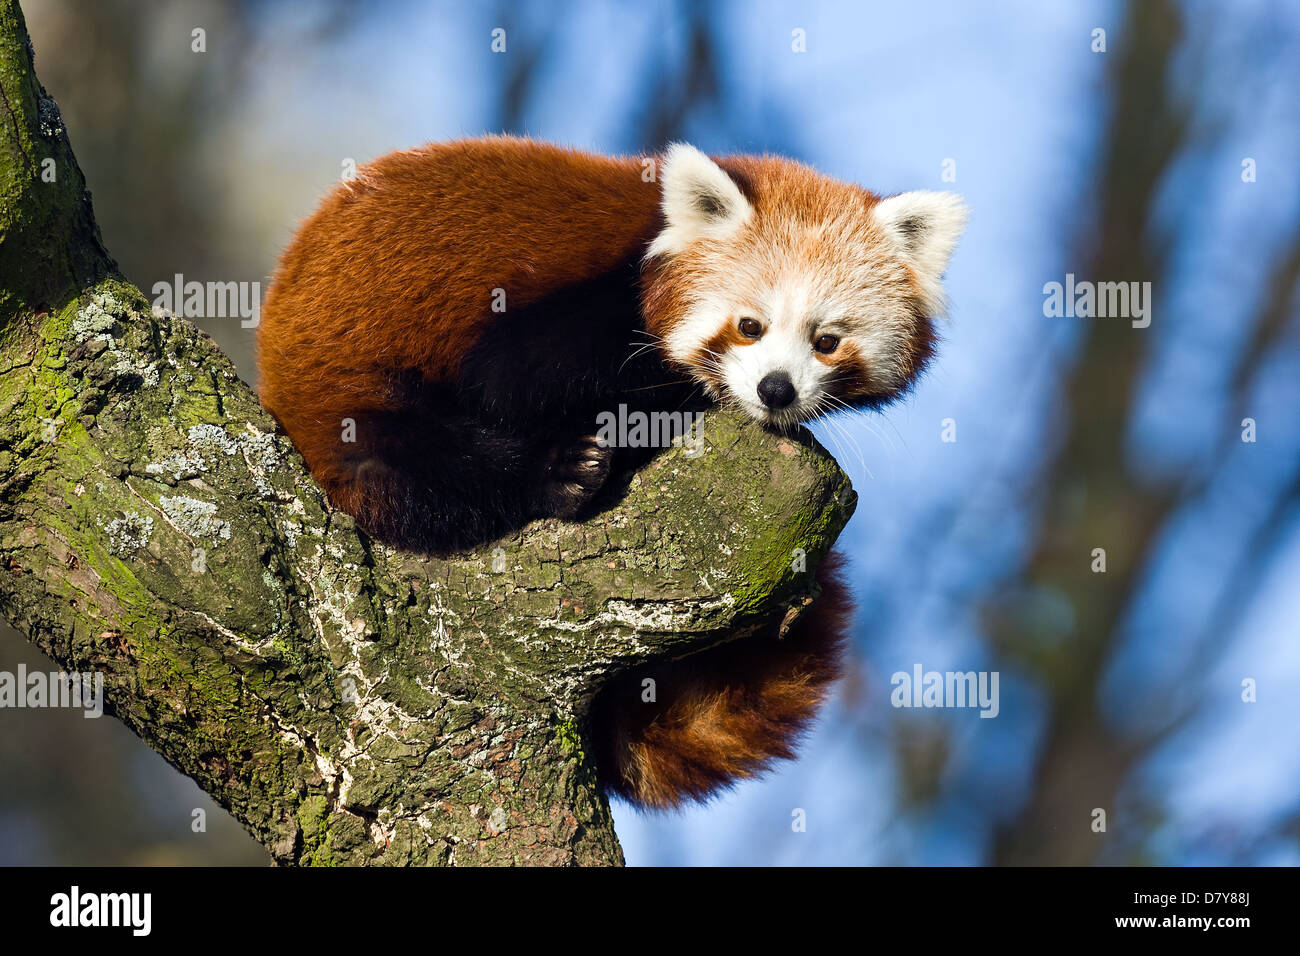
(397, 270)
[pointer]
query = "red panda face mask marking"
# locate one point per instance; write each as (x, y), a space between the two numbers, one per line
(789, 294)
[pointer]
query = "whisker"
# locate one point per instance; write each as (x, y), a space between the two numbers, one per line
(853, 443)
(641, 349)
(642, 388)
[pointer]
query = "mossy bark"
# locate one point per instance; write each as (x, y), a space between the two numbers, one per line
(349, 703)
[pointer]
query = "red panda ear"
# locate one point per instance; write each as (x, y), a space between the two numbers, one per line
(699, 200)
(925, 226)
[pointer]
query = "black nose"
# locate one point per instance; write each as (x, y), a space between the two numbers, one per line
(776, 390)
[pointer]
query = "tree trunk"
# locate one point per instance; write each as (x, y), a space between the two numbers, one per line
(348, 703)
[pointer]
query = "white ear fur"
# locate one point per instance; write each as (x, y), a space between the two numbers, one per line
(699, 200)
(925, 225)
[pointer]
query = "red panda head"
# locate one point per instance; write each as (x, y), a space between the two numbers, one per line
(791, 294)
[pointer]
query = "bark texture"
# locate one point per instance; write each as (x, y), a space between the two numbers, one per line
(348, 703)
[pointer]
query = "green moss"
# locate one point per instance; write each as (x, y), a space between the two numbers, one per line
(569, 739)
(313, 817)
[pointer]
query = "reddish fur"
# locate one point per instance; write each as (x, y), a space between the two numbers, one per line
(853, 375)
(367, 280)
(725, 714)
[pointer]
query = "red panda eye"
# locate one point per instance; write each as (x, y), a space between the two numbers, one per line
(750, 328)
(827, 344)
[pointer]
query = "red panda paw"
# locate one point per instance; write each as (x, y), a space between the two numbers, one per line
(574, 473)
(725, 714)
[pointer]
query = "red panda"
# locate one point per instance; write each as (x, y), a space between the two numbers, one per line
(442, 333)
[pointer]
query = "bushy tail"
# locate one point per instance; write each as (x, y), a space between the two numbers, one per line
(724, 714)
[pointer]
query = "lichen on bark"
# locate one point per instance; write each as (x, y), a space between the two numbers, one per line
(349, 703)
